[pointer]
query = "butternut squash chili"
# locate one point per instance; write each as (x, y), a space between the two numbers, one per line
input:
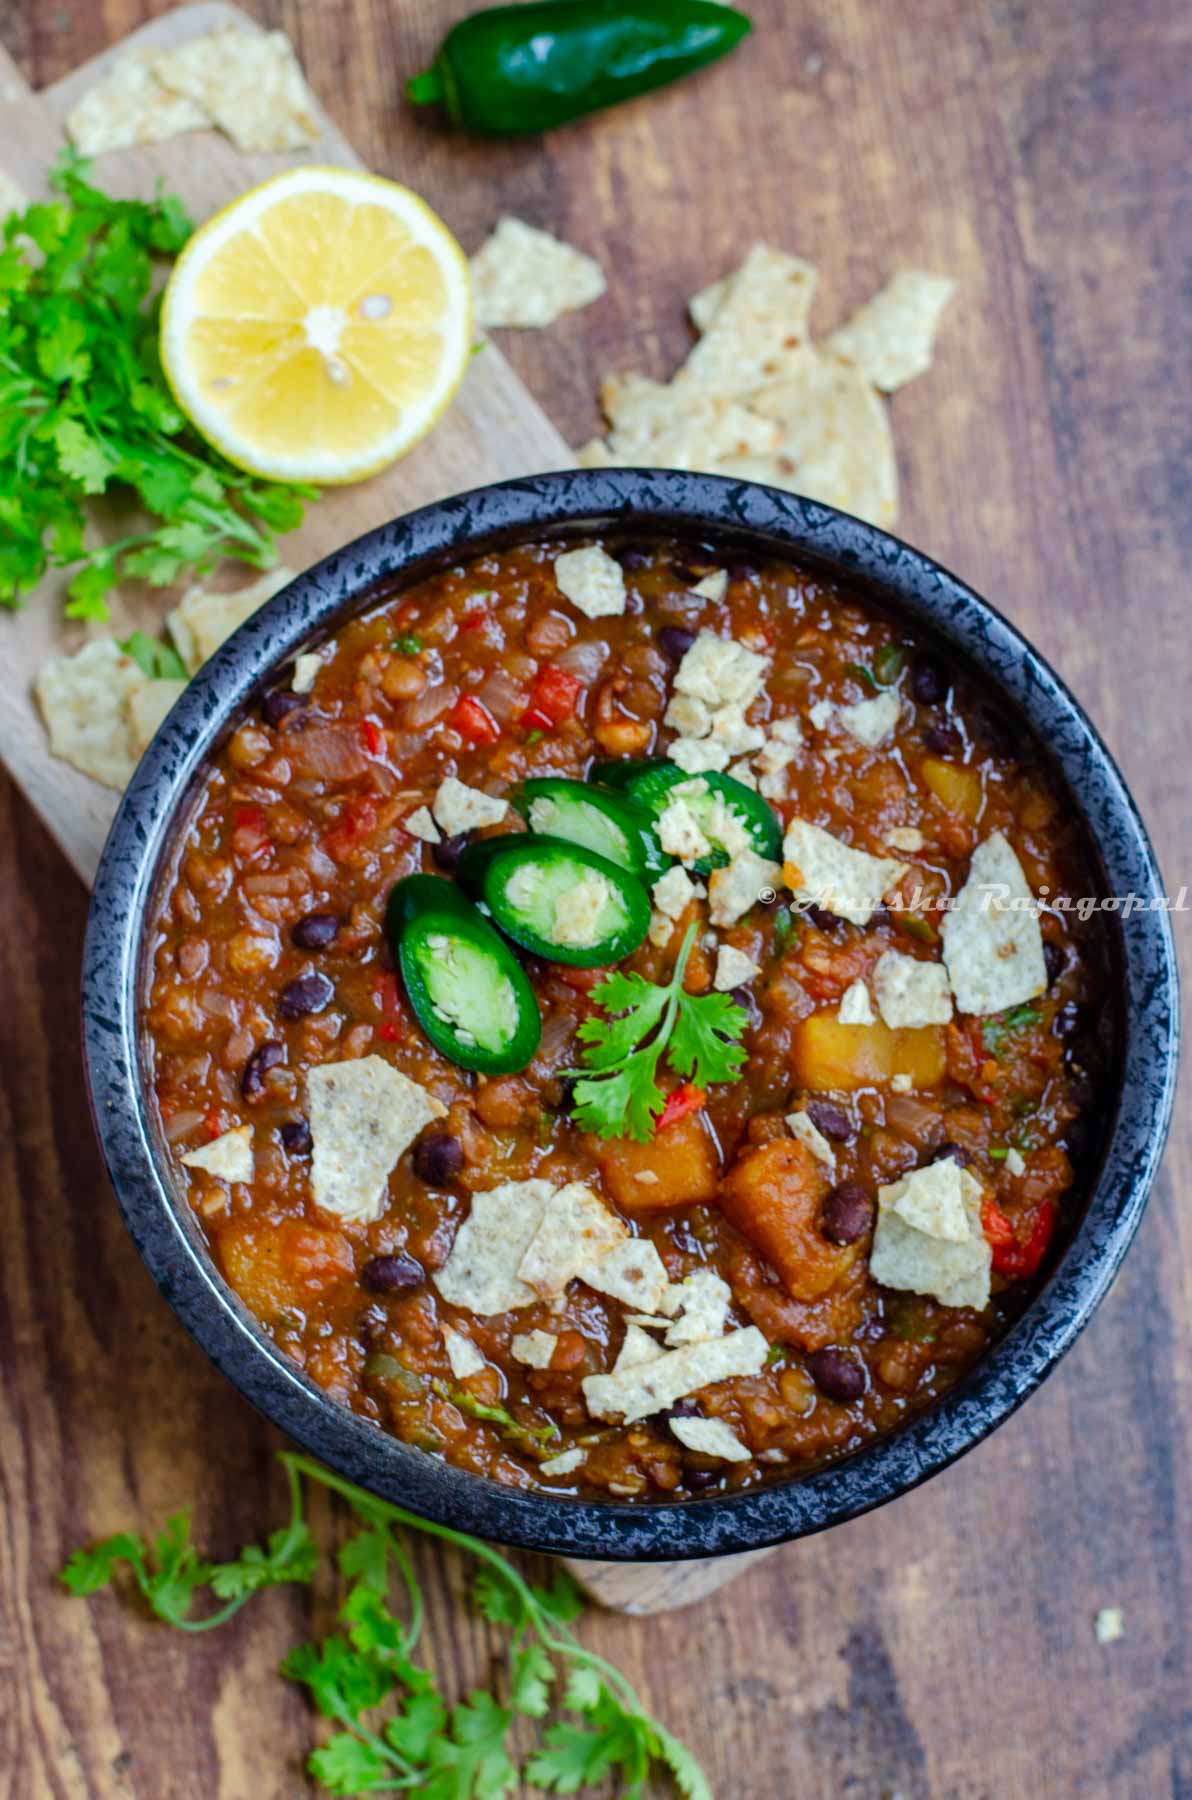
(330, 906)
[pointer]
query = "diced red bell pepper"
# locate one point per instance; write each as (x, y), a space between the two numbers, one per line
(250, 832)
(474, 722)
(373, 737)
(684, 1100)
(356, 822)
(473, 619)
(552, 698)
(1017, 1261)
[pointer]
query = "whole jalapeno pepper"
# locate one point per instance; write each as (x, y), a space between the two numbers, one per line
(513, 70)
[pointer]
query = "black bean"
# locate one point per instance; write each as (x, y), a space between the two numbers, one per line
(264, 1057)
(632, 557)
(833, 1121)
(315, 930)
(698, 1479)
(675, 641)
(943, 739)
(823, 921)
(280, 704)
(448, 853)
(684, 1239)
(308, 994)
(957, 1152)
(1054, 961)
(682, 1409)
(742, 571)
(399, 1274)
(838, 1374)
(744, 999)
(295, 1137)
(929, 681)
(438, 1158)
(847, 1213)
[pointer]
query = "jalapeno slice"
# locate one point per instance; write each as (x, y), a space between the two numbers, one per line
(611, 824)
(418, 894)
(650, 784)
(469, 993)
(565, 903)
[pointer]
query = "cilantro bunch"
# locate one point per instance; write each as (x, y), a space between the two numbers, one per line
(85, 410)
(423, 1745)
(617, 1094)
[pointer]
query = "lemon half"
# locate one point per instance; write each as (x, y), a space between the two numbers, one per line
(318, 326)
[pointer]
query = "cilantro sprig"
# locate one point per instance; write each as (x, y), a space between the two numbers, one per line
(617, 1093)
(423, 1744)
(85, 410)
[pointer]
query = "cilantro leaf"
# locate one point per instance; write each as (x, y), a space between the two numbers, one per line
(532, 1674)
(85, 408)
(412, 1731)
(156, 660)
(616, 1093)
(348, 1765)
(495, 1415)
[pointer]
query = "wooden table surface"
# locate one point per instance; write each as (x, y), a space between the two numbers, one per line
(941, 1649)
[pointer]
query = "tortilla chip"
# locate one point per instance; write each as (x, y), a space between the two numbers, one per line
(822, 871)
(363, 1115)
(704, 306)
(705, 1299)
(525, 277)
(592, 580)
(646, 1388)
(481, 1271)
(911, 992)
(870, 721)
(993, 947)
(679, 426)
(148, 706)
(535, 1348)
(759, 327)
(248, 82)
(420, 824)
(808, 1133)
(203, 620)
(733, 891)
(710, 1437)
(595, 454)
(577, 1229)
(932, 1199)
(130, 106)
(954, 1272)
(563, 1464)
(905, 837)
(733, 969)
(306, 671)
(855, 1007)
(632, 1273)
(458, 808)
(229, 1157)
(462, 1354)
(11, 197)
(890, 339)
(835, 444)
(638, 1347)
(83, 700)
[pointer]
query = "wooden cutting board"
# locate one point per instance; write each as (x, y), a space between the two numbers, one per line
(494, 430)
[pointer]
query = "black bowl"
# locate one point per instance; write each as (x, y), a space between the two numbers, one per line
(751, 518)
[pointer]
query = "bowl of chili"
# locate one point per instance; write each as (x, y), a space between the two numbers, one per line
(1054, 1246)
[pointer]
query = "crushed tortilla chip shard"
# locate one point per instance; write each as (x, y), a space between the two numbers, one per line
(911, 992)
(84, 702)
(228, 1157)
(758, 328)
(525, 277)
(534, 1348)
(891, 338)
(462, 1354)
(993, 946)
(822, 871)
(481, 1272)
(953, 1268)
(577, 1229)
(592, 580)
(633, 1273)
(710, 1437)
(705, 1300)
(363, 1115)
(636, 1348)
(12, 198)
(128, 106)
(203, 620)
(148, 707)
(644, 1388)
(248, 83)
(680, 426)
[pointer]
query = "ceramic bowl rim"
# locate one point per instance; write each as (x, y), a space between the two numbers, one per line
(654, 503)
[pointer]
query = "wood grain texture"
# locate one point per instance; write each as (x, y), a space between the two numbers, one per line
(942, 1648)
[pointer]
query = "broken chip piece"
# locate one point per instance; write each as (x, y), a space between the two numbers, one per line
(525, 277)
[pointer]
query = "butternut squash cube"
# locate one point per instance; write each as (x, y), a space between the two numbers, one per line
(773, 1195)
(678, 1167)
(830, 1055)
(957, 788)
